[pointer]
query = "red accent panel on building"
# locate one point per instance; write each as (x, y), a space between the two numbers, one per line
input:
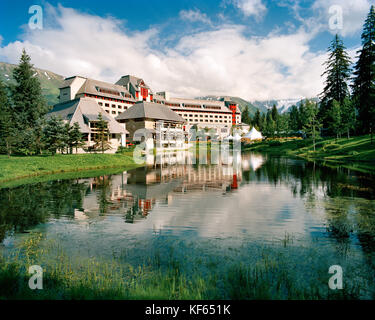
(233, 108)
(151, 97)
(234, 183)
(137, 94)
(144, 93)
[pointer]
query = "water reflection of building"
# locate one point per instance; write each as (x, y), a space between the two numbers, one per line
(137, 192)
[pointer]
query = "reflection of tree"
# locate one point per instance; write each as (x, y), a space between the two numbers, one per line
(339, 226)
(344, 193)
(29, 205)
(104, 185)
(134, 212)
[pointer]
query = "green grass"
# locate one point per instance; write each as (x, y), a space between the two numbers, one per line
(78, 278)
(30, 167)
(356, 150)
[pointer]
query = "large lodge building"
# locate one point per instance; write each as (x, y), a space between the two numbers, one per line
(116, 99)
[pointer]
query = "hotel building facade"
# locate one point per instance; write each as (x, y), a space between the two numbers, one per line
(114, 99)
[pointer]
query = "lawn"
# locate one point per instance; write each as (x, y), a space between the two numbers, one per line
(353, 150)
(26, 167)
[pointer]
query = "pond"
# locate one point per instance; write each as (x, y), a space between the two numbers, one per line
(208, 216)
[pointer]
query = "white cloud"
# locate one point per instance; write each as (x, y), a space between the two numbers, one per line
(353, 13)
(250, 7)
(194, 16)
(218, 62)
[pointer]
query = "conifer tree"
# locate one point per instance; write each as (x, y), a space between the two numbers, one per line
(54, 135)
(245, 116)
(29, 105)
(294, 119)
(75, 137)
(364, 76)
(102, 135)
(337, 74)
(311, 124)
(335, 123)
(6, 121)
(348, 116)
(257, 120)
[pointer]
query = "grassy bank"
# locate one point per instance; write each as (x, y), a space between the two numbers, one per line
(354, 150)
(68, 277)
(27, 167)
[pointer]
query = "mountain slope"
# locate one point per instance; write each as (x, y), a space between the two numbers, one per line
(283, 105)
(241, 103)
(50, 82)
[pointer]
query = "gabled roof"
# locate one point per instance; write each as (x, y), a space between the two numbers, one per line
(68, 81)
(150, 110)
(93, 86)
(83, 110)
(134, 81)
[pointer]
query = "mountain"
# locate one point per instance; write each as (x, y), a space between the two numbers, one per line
(50, 82)
(283, 105)
(241, 103)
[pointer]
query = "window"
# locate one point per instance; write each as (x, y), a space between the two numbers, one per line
(113, 106)
(107, 105)
(100, 103)
(120, 107)
(113, 112)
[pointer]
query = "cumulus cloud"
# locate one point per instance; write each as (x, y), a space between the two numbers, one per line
(219, 61)
(194, 16)
(249, 8)
(353, 14)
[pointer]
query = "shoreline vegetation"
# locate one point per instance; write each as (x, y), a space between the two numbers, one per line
(356, 153)
(18, 169)
(166, 277)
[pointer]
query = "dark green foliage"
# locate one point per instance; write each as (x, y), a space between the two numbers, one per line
(55, 135)
(29, 107)
(364, 76)
(245, 116)
(6, 121)
(76, 139)
(338, 73)
(102, 135)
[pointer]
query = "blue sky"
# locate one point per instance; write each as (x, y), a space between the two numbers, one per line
(255, 49)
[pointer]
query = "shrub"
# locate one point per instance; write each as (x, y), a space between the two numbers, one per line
(275, 143)
(331, 146)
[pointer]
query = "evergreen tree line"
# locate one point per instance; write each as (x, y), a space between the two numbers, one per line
(24, 127)
(347, 103)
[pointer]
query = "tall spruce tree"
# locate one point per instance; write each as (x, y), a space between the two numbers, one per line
(6, 121)
(29, 106)
(246, 116)
(311, 121)
(257, 120)
(364, 77)
(337, 74)
(102, 135)
(54, 135)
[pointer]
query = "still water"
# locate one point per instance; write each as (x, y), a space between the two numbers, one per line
(204, 211)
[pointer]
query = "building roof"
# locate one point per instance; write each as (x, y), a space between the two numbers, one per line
(150, 110)
(135, 82)
(83, 110)
(68, 81)
(196, 104)
(105, 89)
